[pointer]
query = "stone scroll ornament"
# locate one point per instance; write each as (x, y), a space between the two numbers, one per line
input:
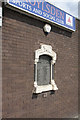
(45, 52)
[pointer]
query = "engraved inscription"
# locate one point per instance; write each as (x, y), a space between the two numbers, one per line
(44, 70)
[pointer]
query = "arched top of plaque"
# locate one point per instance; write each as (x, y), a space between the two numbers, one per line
(45, 50)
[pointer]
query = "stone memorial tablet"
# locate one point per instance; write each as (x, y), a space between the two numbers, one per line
(44, 70)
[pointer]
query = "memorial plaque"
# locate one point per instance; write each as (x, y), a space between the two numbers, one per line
(44, 70)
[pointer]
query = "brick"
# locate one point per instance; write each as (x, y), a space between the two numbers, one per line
(22, 35)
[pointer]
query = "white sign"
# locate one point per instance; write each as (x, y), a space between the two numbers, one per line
(0, 16)
(69, 20)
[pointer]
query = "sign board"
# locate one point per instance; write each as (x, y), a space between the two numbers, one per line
(45, 11)
(0, 16)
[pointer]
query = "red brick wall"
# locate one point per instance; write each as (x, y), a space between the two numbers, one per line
(22, 35)
(0, 70)
(79, 67)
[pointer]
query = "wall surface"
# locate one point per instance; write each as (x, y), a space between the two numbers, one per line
(79, 69)
(0, 69)
(22, 35)
(0, 72)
